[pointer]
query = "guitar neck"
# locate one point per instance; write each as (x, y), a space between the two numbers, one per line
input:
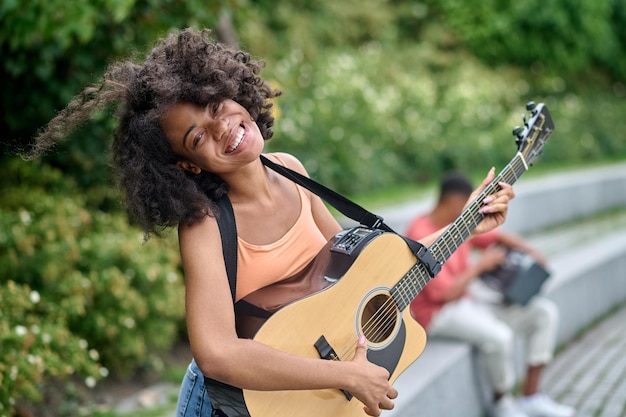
(464, 225)
(457, 233)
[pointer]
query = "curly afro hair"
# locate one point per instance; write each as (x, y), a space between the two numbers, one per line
(187, 66)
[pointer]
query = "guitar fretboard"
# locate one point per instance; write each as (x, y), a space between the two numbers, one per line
(457, 233)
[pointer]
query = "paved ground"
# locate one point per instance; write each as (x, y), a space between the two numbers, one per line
(590, 373)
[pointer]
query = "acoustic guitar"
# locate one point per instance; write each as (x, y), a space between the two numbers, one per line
(362, 283)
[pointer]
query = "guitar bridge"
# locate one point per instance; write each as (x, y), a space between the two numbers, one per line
(327, 352)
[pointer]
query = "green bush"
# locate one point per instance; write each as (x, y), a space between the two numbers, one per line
(368, 119)
(377, 93)
(71, 43)
(81, 293)
(36, 346)
(563, 37)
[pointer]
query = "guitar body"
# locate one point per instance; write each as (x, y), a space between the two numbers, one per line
(333, 318)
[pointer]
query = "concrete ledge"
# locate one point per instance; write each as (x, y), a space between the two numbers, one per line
(587, 283)
(441, 382)
(559, 198)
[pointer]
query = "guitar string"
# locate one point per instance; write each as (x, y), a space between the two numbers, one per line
(508, 175)
(386, 315)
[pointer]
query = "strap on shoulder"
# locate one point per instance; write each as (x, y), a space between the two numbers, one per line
(345, 206)
(357, 213)
(228, 234)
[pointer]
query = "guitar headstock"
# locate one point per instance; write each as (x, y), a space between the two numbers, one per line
(531, 137)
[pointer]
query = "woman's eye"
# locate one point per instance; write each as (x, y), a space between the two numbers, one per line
(216, 107)
(197, 138)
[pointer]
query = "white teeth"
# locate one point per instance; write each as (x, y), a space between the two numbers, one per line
(238, 140)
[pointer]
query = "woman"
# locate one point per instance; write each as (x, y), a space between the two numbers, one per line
(193, 123)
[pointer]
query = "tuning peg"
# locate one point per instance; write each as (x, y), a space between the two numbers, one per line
(517, 131)
(530, 106)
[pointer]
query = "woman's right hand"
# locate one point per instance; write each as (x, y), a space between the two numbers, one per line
(372, 386)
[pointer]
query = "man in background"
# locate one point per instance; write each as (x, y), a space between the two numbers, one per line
(445, 308)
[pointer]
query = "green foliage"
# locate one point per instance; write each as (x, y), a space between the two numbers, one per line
(370, 118)
(81, 293)
(561, 36)
(271, 29)
(36, 346)
(47, 46)
(305, 43)
(52, 49)
(410, 102)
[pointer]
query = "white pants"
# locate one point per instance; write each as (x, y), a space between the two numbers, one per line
(491, 329)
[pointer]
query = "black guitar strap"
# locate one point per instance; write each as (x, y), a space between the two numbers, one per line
(228, 228)
(342, 204)
(228, 233)
(352, 210)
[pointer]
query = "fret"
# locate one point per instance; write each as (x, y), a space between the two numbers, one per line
(410, 285)
(453, 237)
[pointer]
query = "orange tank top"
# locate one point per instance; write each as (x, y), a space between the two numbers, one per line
(262, 265)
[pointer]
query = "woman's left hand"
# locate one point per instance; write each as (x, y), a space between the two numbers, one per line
(495, 206)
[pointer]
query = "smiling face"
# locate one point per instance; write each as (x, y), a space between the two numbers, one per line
(217, 138)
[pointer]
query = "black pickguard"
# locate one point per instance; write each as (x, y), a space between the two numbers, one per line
(389, 356)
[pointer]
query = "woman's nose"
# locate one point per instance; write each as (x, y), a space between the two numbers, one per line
(220, 128)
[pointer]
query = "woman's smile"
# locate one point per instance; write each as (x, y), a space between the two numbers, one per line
(238, 139)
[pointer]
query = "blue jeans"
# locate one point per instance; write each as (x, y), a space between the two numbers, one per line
(193, 399)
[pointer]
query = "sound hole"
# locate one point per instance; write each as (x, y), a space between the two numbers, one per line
(378, 318)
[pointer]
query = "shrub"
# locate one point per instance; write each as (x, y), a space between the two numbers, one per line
(36, 345)
(377, 118)
(81, 293)
(367, 119)
(563, 36)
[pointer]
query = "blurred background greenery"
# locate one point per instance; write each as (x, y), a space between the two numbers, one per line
(380, 98)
